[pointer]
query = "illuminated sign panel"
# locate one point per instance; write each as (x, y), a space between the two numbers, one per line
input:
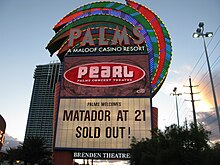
(2, 131)
(105, 123)
(106, 76)
(2, 137)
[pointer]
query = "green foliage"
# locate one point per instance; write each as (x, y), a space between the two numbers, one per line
(187, 145)
(13, 155)
(32, 151)
(35, 150)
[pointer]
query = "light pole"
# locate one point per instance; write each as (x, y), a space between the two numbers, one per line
(200, 33)
(177, 111)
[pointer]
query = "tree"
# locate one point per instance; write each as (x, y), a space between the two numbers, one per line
(212, 156)
(186, 145)
(34, 150)
(13, 154)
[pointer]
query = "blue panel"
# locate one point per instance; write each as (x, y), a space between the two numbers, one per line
(167, 40)
(135, 14)
(153, 39)
(88, 6)
(120, 7)
(110, 4)
(168, 47)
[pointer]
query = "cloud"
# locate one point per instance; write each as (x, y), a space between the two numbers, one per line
(208, 116)
(205, 87)
(10, 142)
(209, 121)
(174, 71)
(182, 70)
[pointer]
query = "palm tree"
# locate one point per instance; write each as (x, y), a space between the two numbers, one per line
(34, 150)
(13, 154)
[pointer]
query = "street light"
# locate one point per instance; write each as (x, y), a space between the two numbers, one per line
(176, 94)
(200, 33)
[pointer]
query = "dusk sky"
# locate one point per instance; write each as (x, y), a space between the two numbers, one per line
(26, 29)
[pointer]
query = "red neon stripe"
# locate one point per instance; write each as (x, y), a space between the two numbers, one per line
(70, 17)
(67, 19)
(149, 15)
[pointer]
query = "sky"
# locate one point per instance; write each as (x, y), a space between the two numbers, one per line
(26, 29)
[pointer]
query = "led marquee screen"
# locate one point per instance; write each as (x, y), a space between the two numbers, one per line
(106, 76)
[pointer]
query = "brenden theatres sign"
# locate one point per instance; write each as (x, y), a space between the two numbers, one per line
(101, 155)
(115, 58)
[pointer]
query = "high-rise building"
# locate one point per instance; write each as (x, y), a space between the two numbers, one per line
(40, 117)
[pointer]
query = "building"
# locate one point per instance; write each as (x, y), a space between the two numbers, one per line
(40, 117)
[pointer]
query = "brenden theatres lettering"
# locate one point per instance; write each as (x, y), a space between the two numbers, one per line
(120, 37)
(101, 155)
